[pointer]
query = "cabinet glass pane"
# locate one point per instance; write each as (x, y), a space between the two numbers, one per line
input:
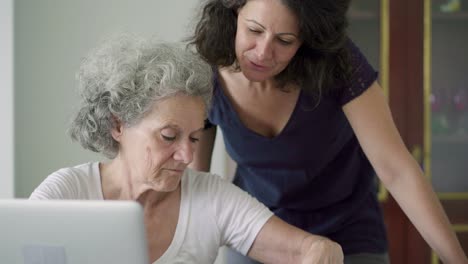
(449, 95)
(364, 28)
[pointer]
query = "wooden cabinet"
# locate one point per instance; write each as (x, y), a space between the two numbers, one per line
(419, 48)
(446, 108)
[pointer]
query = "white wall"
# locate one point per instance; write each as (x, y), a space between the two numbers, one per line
(6, 99)
(51, 37)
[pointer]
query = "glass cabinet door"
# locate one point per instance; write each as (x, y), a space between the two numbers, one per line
(449, 96)
(368, 29)
(446, 108)
(365, 29)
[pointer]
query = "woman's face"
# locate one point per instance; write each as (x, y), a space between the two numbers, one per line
(267, 38)
(158, 149)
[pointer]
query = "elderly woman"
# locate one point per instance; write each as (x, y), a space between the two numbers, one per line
(144, 106)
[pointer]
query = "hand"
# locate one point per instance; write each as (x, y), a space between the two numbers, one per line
(323, 251)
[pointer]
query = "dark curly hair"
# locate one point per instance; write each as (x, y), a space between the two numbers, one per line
(319, 63)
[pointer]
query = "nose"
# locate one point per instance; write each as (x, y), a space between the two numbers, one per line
(264, 49)
(184, 152)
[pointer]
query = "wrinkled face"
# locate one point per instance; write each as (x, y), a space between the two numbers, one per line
(267, 38)
(159, 148)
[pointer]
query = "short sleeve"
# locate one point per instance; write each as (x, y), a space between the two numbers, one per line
(81, 182)
(362, 77)
(58, 185)
(240, 217)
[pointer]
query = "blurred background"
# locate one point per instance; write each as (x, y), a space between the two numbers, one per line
(417, 46)
(50, 38)
(42, 45)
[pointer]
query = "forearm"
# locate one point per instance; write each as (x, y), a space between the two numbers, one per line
(279, 242)
(306, 247)
(417, 199)
(372, 122)
(312, 247)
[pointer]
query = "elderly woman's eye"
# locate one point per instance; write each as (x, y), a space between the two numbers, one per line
(194, 140)
(285, 42)
(168, 138)
(255, 31)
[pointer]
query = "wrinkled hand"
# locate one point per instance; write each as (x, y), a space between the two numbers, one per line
(323, 251)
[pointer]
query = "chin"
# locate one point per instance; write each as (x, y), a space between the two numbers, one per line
(256, 77)
(169, 185)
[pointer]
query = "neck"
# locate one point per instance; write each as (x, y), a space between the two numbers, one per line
(118, 183)
(152, 200)
(239, 77)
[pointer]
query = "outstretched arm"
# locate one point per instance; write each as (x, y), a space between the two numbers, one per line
(279, 242)
(370, 117)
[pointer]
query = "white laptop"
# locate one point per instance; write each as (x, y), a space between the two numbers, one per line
(72, 232)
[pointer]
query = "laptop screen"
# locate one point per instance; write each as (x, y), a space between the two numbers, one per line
(72, 232)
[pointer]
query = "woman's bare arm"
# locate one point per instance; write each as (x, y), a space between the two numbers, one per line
(370, 117)
(280, 242)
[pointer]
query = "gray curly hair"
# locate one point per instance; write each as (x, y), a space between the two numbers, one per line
(123, 77)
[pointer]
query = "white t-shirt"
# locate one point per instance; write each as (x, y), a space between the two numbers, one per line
(213, 212)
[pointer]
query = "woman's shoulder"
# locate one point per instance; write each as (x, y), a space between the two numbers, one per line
(69, 183)
(211, 187)
(216, 189)
(79, 173)
(205, 181)
(362, 75)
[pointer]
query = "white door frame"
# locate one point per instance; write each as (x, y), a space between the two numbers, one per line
(6, 100)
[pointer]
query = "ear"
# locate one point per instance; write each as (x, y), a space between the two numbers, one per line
(117, 129)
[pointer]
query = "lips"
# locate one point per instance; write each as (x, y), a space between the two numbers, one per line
(258, 66)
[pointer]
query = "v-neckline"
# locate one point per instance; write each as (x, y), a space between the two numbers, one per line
(248, 130)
